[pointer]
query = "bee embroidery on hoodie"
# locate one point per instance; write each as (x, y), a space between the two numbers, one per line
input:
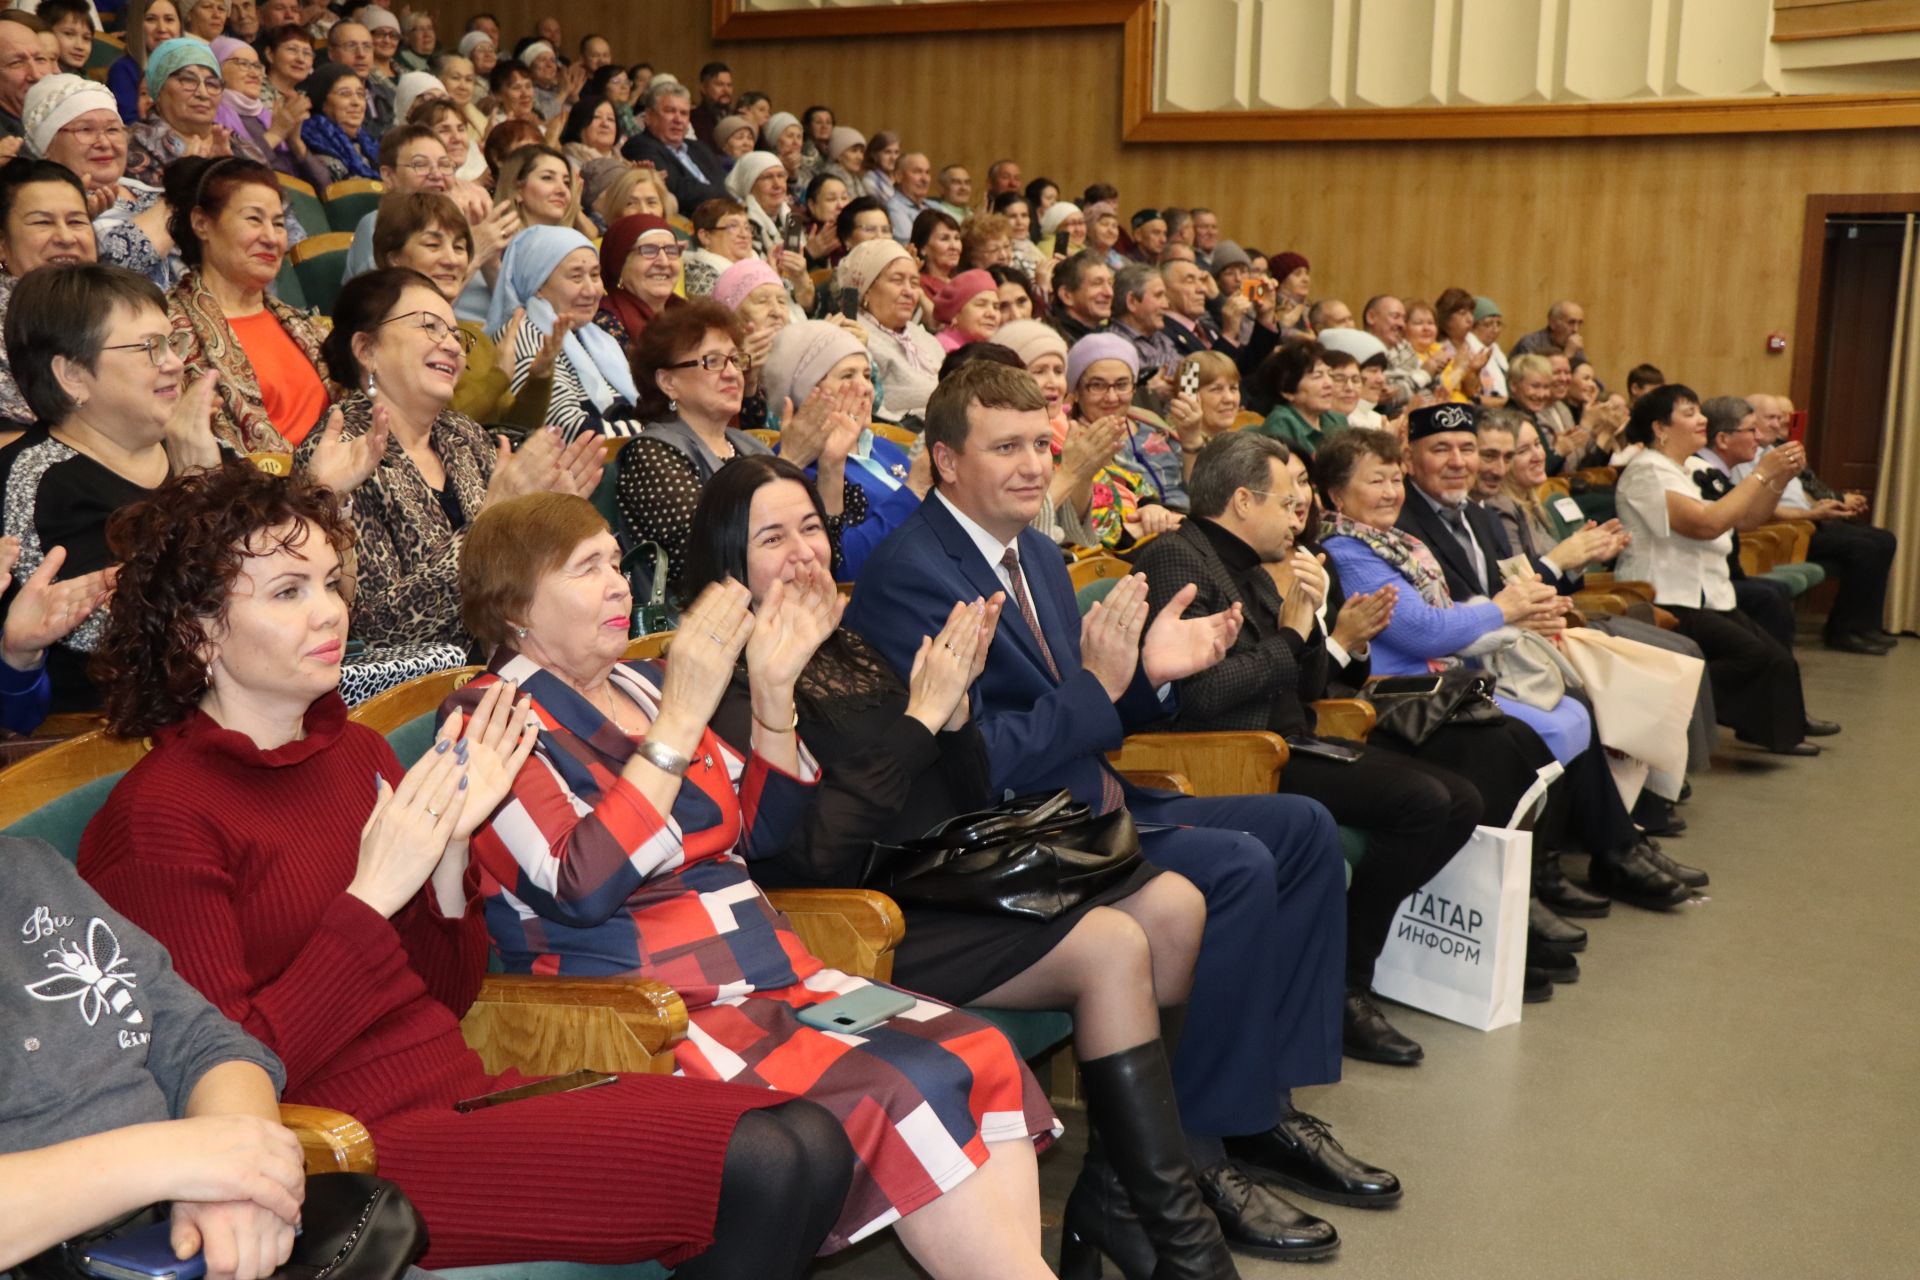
(95, 977)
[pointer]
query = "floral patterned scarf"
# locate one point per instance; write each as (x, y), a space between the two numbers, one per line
(1408, 555)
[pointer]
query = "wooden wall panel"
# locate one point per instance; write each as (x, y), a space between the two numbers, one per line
(1685, 250)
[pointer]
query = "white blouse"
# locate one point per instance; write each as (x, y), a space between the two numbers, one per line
(1684, 571)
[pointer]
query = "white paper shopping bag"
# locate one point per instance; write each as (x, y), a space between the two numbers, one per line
(1458, 947)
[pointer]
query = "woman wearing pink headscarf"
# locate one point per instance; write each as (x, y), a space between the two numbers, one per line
(967, 310)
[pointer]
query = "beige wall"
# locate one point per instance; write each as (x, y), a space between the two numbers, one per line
(1685, 250)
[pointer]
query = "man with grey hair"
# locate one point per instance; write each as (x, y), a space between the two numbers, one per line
(1245, 516)
(1003, 178)
(1139, 316)
(1206, 237)
(1859, 556)
(693, 172)
(1564, 322)
(912, 180)
(1330, 313)
(956, 192)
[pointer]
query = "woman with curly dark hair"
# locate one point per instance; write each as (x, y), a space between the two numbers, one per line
(336, 922)
(101, 369)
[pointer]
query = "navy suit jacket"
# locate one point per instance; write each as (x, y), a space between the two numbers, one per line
(1040, 735)
(1417, 517)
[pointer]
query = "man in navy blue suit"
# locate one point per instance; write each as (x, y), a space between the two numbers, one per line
(1059, 692)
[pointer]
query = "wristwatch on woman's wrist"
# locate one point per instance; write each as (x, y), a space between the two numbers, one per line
(664, 758)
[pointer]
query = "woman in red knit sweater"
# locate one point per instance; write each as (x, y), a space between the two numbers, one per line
(320, 897)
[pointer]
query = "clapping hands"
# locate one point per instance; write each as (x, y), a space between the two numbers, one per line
(46, 611)
(1176, 646)
(947, 664)
(343, 465)
(795, 617)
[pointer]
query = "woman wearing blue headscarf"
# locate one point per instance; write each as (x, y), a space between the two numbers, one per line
(336, 134)
(184, 81)
(550, 281)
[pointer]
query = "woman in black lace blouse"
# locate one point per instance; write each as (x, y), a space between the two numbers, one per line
(896, 760)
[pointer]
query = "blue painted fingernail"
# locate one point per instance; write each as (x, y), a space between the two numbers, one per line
(461, 751)
(463, 782)
(440, 747)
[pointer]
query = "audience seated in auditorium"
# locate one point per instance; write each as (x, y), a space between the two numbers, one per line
(340, 133)
(912, 180)
(1270, 868)
(350, 45)
(1103, 371)
(267, 132)
(1681, 540)
(1858, 555)
(540, 580)
(353, 965)
(1300, 385)
(967, 309)
(639, 266)
(1565, 319)
(899, 758)
(1247, 517)
(184, 81)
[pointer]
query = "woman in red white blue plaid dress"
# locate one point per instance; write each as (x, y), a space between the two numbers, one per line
(622, 849)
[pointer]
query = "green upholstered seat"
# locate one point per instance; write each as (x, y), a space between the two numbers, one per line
(1033, 1031)
(411, 740)
(1800, 575)
(1353, 847)
(1093, 593)
(345, 211)
(287, 286)
(62, 821)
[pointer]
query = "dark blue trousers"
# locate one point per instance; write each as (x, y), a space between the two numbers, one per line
(1268, 987)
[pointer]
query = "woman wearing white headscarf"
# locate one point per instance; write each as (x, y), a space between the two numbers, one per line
(906, 358)
(551, 276)
(781, 137)
(759, 181)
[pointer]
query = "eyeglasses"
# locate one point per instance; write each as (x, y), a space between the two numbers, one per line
(732, 225)
(88, 134)
(435, 328)
(420, 166)
(1124, 387)
(714, 362)
(669, 251)
(197, 84)
(1345, 379)
(158, 346)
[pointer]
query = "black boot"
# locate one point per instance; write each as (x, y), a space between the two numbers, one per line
(1561, 895)
(1130, 1106)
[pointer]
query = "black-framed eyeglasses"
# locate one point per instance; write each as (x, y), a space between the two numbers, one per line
(435, 327)
(714, 361)
(178, 343)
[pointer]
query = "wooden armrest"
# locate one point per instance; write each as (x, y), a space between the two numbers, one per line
(330, 1141)
(1802, 537)
(549, 1026)
(1220, 764)
(1343, 718)
(853, 930)
(1163, 781)
(1594, 603)
(1633, 587)
(1598, 477)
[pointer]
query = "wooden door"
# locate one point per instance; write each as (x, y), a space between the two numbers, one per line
(1853, 351)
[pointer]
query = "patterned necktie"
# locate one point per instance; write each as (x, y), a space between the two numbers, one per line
(1011, 562)
(1111, 796)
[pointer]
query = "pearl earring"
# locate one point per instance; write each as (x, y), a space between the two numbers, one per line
(673, 406)
(519, 633)
(373, 388)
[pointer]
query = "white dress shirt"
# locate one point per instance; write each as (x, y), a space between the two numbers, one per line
(991, 547)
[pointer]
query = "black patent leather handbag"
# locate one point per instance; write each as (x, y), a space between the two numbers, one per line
(1034, 857)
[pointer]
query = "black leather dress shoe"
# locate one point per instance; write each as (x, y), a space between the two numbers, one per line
(1655, 815)
(1563, 896)
(1559, 966)
(1822, 728)
(1852, 642)
(1630, 876)
(1549, 930)
(1537, 988)
(1692, 877)
(1797, 749)
(1261, 1222)
(1367, 1035)
(1301, 1154)
(1886, 638)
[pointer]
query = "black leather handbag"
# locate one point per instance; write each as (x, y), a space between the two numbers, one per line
(354, 1226)
(1034, 857)
(1411, 708)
